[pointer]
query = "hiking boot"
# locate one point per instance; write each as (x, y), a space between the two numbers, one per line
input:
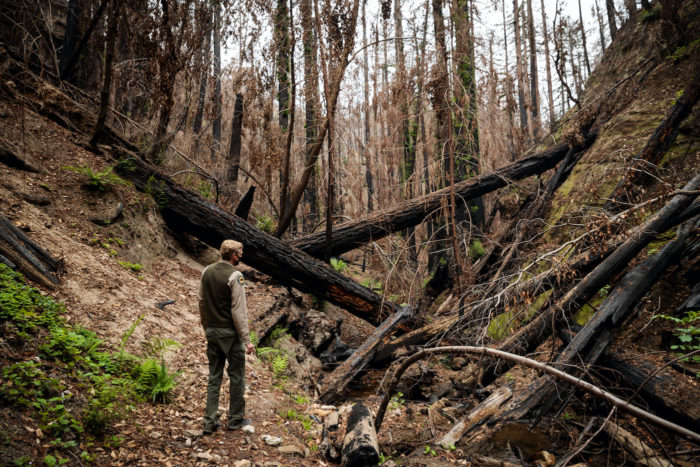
(208, 431)
(238, 425)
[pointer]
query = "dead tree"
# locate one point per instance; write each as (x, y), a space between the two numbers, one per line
(360, 446)
(593, 339)
(354, 234)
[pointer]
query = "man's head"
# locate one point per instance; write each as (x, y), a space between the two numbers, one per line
(231, 251)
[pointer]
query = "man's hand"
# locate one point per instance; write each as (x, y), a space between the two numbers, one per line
(249, 349)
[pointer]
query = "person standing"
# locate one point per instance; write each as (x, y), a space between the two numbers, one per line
(224, 317)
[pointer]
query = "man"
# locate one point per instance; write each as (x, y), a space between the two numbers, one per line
(224, 317)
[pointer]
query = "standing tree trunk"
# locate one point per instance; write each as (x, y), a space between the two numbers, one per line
(168, 65)
(204, 74)
(465, 127)
(71, 36)
(312, 103)
(547, 66)
(282, 43)
(110, 43)
(519, 66)
(534, 90)
(610, 7)
(216, 125)
(234, 150)
(583, 40)
(601, 27)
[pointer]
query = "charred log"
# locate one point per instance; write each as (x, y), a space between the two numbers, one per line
(19, 252)
(360, 446)
(336, 381)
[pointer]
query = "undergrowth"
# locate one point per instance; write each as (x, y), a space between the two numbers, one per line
(69, 383)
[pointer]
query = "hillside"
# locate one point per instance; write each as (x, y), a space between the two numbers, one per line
(74, 387)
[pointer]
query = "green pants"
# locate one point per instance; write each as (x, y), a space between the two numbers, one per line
(224, 344)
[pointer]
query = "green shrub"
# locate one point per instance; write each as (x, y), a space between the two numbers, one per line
(280, 363)
(133, 267)
(101, 180)
(24, 306)
(23, 382)
(338, 264)
(476, 250)
(68, 345)
(265, 223)
(110, 402)
(688, 334)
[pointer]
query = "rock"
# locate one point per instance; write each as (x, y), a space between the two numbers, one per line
(328, 407)
(331, 421)
(248, 429)
(290, 450)
(205, 456)
(548, 458)
(242, 463)
(155, 435)
(271, 440)
(194, 433)
(216, 457)
(272, 464)
(188, 442)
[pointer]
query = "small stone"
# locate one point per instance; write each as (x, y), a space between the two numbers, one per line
(155, 435)
(188, 442)
(248, 429)
(271, 440)
(290, 450)
(216, 457)
(242, 463)
(205, 456)
(272, 464)
(328, 407)
(548, 458)
(194, 433)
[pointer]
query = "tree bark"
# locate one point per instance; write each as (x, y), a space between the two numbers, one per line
(610, 7)
(583, 40)
(550, 95)
(234, 150)
(66, 69)
(312, 104)
(534, 83)
(110, 42)
(360, 446)
(19, 252)
(351, 235)
(218, 108)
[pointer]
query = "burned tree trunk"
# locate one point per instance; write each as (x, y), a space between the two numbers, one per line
(335, 383)
(593, 339)
(360, 446)
(351, 235)
(19, 252)
(187, 212)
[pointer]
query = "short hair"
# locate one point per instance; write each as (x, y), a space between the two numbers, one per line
(229, 247)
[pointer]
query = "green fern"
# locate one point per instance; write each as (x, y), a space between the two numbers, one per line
(157, 380)
(157, 347)
(279, 365)
(97, 180)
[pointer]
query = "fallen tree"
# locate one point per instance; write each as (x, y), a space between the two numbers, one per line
(351, 235)
(20, 253)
